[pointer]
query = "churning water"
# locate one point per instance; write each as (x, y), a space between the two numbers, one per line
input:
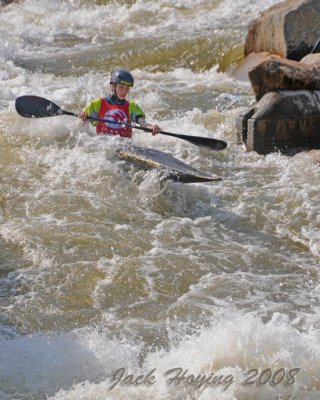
(200, 291)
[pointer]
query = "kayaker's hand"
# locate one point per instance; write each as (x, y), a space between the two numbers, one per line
(155, 129)
(83, 116)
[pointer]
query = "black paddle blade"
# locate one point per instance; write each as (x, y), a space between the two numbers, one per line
(37, 107)
(212, 143)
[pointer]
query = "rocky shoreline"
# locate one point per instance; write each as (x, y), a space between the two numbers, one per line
(283, 63)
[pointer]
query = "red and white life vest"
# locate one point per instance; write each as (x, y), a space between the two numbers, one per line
(114, 112)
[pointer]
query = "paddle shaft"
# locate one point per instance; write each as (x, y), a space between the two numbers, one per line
(197, 140)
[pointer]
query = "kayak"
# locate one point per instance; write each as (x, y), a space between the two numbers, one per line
(170, 167)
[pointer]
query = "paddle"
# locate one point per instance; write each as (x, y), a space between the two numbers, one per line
(39, 107)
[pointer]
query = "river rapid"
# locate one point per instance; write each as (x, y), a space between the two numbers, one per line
(198, 291)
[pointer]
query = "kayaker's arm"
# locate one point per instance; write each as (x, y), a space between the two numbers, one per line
(155, 128)
(91, 110)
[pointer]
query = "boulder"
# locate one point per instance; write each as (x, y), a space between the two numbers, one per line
(276, 73)
(241, 70)
(290, 29)
(285, 121)
(311, 59)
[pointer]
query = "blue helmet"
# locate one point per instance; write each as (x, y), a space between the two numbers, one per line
(123, 77)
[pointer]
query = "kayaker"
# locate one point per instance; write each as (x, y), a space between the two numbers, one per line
(115, 107)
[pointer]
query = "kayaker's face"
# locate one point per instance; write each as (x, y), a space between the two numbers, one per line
(122, 91)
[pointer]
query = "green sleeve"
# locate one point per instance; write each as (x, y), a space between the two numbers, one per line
(92, 109)
(135, 111)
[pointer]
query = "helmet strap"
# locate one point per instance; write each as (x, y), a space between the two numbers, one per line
(114, 90)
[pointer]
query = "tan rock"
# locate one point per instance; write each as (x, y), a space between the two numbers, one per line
(290, 29)
(276, 73)
(311, 59)
(241, 71)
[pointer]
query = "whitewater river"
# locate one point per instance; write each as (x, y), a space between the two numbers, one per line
(199, 291)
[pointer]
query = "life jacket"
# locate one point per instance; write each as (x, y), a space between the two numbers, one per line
(114, 112)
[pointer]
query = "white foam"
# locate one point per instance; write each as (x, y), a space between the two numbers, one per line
(83, 364)
(228, 272)
(42, 363)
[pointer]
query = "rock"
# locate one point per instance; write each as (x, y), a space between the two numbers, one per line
(285, 121)
(276, 73)
(289, 29)
(311, 59)
(241, 71)
(287, 115)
